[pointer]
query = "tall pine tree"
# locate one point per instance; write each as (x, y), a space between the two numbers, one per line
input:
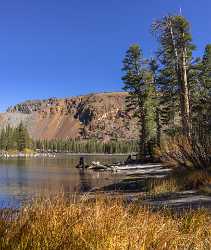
(138, 83)
(176, 55)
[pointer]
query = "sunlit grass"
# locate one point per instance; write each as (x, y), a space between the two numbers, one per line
(162, 186)
(101, 223)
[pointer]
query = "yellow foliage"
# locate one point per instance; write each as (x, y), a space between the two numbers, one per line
(28, 151)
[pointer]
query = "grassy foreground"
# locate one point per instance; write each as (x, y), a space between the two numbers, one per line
(101, 224)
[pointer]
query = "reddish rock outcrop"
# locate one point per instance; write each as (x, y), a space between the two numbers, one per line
(101, 116)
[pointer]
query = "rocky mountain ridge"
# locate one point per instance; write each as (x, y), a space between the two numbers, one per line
(101, 116)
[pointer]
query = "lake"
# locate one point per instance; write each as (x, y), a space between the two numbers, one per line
(21, 179)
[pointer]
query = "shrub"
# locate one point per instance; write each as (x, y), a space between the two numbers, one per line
(195, 179)
(185, 152)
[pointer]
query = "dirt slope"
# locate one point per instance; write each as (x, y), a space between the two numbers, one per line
(100, 116)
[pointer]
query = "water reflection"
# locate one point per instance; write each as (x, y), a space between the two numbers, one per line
(21, 179)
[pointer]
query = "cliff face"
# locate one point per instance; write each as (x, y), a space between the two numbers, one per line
(101, 116)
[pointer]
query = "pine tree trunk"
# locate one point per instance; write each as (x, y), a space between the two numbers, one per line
(184, 97)
(142, 138)
(158, 132)
(181, 70)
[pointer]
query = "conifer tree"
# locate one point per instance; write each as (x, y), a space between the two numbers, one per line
(22, 137)
(176, 54)
(138, 83)
(3, 139)
(201, 96)
(154, 69)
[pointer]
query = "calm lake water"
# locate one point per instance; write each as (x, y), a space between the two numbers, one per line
(22, 179)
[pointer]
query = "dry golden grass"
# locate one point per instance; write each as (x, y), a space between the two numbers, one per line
(180, 181)
(196, 179)
(102, 224)
(161, 186)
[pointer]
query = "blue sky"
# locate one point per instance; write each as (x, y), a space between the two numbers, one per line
(51, 48)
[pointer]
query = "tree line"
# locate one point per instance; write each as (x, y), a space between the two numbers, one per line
(17, 138)
(87, 146)
(169, 93)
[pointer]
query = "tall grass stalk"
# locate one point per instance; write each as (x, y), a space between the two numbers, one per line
(161, 186)
(101, 224)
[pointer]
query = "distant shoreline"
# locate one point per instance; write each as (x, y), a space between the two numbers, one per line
(7, 155)
(94, 154)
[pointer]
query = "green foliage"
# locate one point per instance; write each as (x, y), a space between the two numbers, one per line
(171, 93)
(138, 81)
(87, 146)
(201, 96)
(19, 139)
(15, 138)
(175, 55)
